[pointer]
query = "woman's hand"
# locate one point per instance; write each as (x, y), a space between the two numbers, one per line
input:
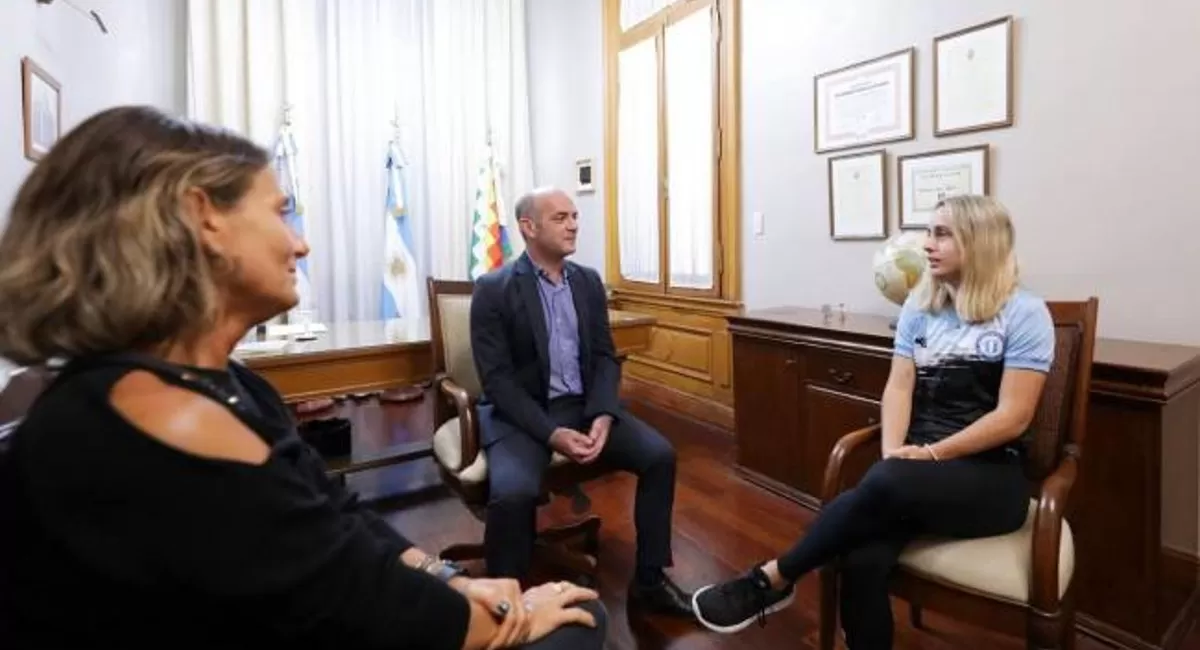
(550, 606)
(910, 452)
(503, 599)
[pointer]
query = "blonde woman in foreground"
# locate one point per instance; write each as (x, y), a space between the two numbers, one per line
(972, 350)
(157, 494)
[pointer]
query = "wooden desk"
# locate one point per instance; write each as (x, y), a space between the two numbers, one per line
(801, 382)
(368, 356)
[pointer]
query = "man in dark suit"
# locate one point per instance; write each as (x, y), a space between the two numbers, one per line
(545, 355)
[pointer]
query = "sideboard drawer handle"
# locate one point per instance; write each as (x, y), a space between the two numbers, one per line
(844, 377)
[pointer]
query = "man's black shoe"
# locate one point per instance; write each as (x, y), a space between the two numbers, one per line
(664, 598)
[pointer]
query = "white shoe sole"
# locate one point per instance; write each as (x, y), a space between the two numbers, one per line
(737, 627)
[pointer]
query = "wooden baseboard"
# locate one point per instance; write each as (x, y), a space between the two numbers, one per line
(1122, 640)
(670, 399)
(1181, 570)
(771, 485)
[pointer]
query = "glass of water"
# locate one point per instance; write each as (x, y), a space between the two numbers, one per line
(303, 320)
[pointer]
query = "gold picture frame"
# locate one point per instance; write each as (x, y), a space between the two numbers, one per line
(973, 78)
(867, 103)
(923, 179)
(858, 207)
(41, 106)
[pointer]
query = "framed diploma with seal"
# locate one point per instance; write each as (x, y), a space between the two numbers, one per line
(973, 78)
(858, 196)
(927, 178)
(865, 103)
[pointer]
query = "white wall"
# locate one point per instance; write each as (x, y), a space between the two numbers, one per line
(566, 105)
(1098, 169)
(141, 60)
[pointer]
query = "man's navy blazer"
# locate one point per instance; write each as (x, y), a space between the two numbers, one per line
(512, 349)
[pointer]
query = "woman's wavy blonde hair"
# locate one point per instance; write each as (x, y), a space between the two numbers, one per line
(99, 254)
(983, 231)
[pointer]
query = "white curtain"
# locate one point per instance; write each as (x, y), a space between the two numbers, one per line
(445, 70)
(635, 11)
(691, 162)
(689, 82)
(637, 162)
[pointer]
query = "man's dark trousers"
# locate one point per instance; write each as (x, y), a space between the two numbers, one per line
(516, 466)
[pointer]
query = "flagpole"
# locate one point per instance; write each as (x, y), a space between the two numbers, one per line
(416, 391)
(285, 148)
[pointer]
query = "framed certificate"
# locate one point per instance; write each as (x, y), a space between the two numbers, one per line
(866, 103)
(973, 78)
(927, 178)
(41, 102)
(858, 196)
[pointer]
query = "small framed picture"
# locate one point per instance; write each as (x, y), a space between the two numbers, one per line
(858, 196)
(583, 176)
(41, 99)
(973, 78)
(927, 178)
(866, 103)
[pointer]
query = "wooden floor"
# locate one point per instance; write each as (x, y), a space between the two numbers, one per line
(722, 525)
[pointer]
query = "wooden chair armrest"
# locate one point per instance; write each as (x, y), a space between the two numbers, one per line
(847, 444)
(1047, 531)
(468, 419)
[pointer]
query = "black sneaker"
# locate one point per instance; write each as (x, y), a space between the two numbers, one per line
(732, 606)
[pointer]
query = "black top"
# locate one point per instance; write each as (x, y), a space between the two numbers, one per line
(113, 538)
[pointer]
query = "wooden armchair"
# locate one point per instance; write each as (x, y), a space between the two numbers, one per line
(463, 464)
(1018, 583)
(23, 387)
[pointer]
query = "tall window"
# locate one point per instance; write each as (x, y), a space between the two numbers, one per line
(669, 101)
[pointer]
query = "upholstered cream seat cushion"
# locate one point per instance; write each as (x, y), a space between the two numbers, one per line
(455, 318)
(447, 448)
(997, 567)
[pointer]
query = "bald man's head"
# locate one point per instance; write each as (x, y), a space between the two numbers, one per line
(548, 221)
(527, 206)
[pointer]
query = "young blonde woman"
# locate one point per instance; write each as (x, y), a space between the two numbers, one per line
(971, 352)
(157, 494)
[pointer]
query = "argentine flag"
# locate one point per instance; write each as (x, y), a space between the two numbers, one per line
(401, 297)
(289, 183)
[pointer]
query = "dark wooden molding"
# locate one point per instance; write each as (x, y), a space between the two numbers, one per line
(1133, 369)
(676, 401)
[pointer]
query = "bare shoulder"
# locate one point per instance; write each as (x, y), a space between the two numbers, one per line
(903, 365)
(903, 374)
(185, 420)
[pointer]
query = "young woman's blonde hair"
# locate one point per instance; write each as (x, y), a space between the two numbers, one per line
(983, 231)
(99, 254)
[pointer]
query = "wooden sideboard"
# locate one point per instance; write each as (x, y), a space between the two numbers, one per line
(802, 380)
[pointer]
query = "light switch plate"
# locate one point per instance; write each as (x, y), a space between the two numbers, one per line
(760, 227)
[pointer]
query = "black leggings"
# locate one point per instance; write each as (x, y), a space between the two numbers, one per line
(869, 525)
